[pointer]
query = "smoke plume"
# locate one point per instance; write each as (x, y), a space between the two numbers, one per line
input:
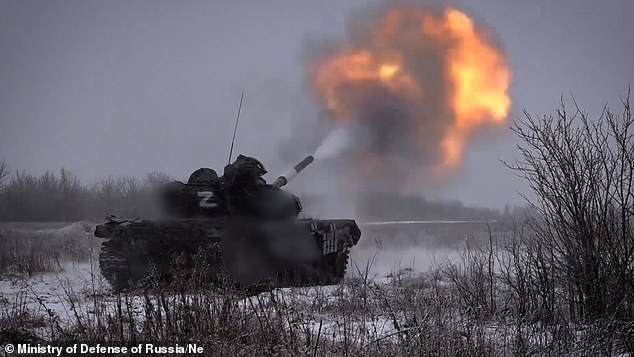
(335, 144)
(407, 90)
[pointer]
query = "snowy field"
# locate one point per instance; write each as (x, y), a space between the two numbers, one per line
(407, 291)
(69, 289)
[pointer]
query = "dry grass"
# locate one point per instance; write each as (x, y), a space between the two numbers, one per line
(468, 308)
(28, 252)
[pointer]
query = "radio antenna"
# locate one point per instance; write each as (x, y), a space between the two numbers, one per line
(236, 127)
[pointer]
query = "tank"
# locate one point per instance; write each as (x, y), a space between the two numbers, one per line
(235, 230)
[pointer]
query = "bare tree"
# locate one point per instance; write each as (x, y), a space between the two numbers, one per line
(4, 174)
(581, 171)
(128, 186)
(155, 179)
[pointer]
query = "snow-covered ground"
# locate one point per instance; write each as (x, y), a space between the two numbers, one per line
(61, 294)
(374, 256)
(387, 297)
(78, 288)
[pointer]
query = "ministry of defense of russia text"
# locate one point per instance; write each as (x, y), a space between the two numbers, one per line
(143, 348)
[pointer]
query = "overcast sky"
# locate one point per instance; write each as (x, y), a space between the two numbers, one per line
(126, 87)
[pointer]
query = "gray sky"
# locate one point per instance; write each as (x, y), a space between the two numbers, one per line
(127, 87)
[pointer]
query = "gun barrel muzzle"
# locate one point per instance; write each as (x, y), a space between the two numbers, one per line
(290, 174)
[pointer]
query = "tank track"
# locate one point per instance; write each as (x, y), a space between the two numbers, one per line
(163, 249)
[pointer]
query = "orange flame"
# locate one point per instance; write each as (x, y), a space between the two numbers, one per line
(474, 74)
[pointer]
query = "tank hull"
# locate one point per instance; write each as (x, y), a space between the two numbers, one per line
(136, 252)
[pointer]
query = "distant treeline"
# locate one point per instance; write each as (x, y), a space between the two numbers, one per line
(387, 206)
(63, 197)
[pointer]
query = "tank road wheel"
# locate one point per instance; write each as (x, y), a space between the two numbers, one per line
(245, 255)
(342, 266)
(336, 269)
(114, 265)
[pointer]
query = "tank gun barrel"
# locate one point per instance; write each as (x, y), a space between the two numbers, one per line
(290, 174)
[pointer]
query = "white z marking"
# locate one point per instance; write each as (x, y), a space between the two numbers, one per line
(206, 197)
